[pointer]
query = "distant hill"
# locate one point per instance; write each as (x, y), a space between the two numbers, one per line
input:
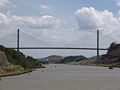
(52, 59)
(62, 60)
(94, 57)
(69, 59)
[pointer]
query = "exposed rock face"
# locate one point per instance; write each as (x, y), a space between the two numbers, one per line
(3, 59)
(112, 56)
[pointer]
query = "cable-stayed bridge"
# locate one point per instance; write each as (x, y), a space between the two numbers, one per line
(22, 40)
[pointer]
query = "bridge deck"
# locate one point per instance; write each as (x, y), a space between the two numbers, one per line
(74, 48)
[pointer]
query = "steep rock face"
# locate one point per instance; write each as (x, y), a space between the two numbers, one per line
(3, 59)
(114, 50)
(112, 56)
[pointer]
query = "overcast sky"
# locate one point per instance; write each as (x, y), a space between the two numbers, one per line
(70, 23)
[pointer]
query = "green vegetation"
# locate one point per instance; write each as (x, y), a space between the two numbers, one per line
(13, 70)
(70, 59)
(18, 58)
(84, 62)
(52, 59)
(19, 63)
(94, 63)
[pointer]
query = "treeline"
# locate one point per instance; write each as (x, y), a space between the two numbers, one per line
(18, 58)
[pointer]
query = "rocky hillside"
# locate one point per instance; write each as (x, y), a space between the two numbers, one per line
(112, 56)
(17, 58)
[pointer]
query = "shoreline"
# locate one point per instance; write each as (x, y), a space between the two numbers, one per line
(19, 72)
(98, 65)
(16, 70)
(16, 73)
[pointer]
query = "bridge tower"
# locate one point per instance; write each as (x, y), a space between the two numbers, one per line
(18, 37)
(97, 44)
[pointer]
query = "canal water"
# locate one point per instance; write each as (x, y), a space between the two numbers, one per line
(65, 77)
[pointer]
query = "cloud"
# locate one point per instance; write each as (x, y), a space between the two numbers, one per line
(4, 3)
(88, 18)
(118, 13)
(44, 6)
(92, 19)
(118, 3)
(42, 22)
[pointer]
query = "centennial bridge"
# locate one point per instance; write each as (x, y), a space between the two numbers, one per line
(97, 48)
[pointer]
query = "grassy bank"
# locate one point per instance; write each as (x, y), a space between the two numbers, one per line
(93, 63)
(13, 70)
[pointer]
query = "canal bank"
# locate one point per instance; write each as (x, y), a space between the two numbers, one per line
(13, 70)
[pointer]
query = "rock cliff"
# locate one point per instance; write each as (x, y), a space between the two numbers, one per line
(3, 59)
(112, 56)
